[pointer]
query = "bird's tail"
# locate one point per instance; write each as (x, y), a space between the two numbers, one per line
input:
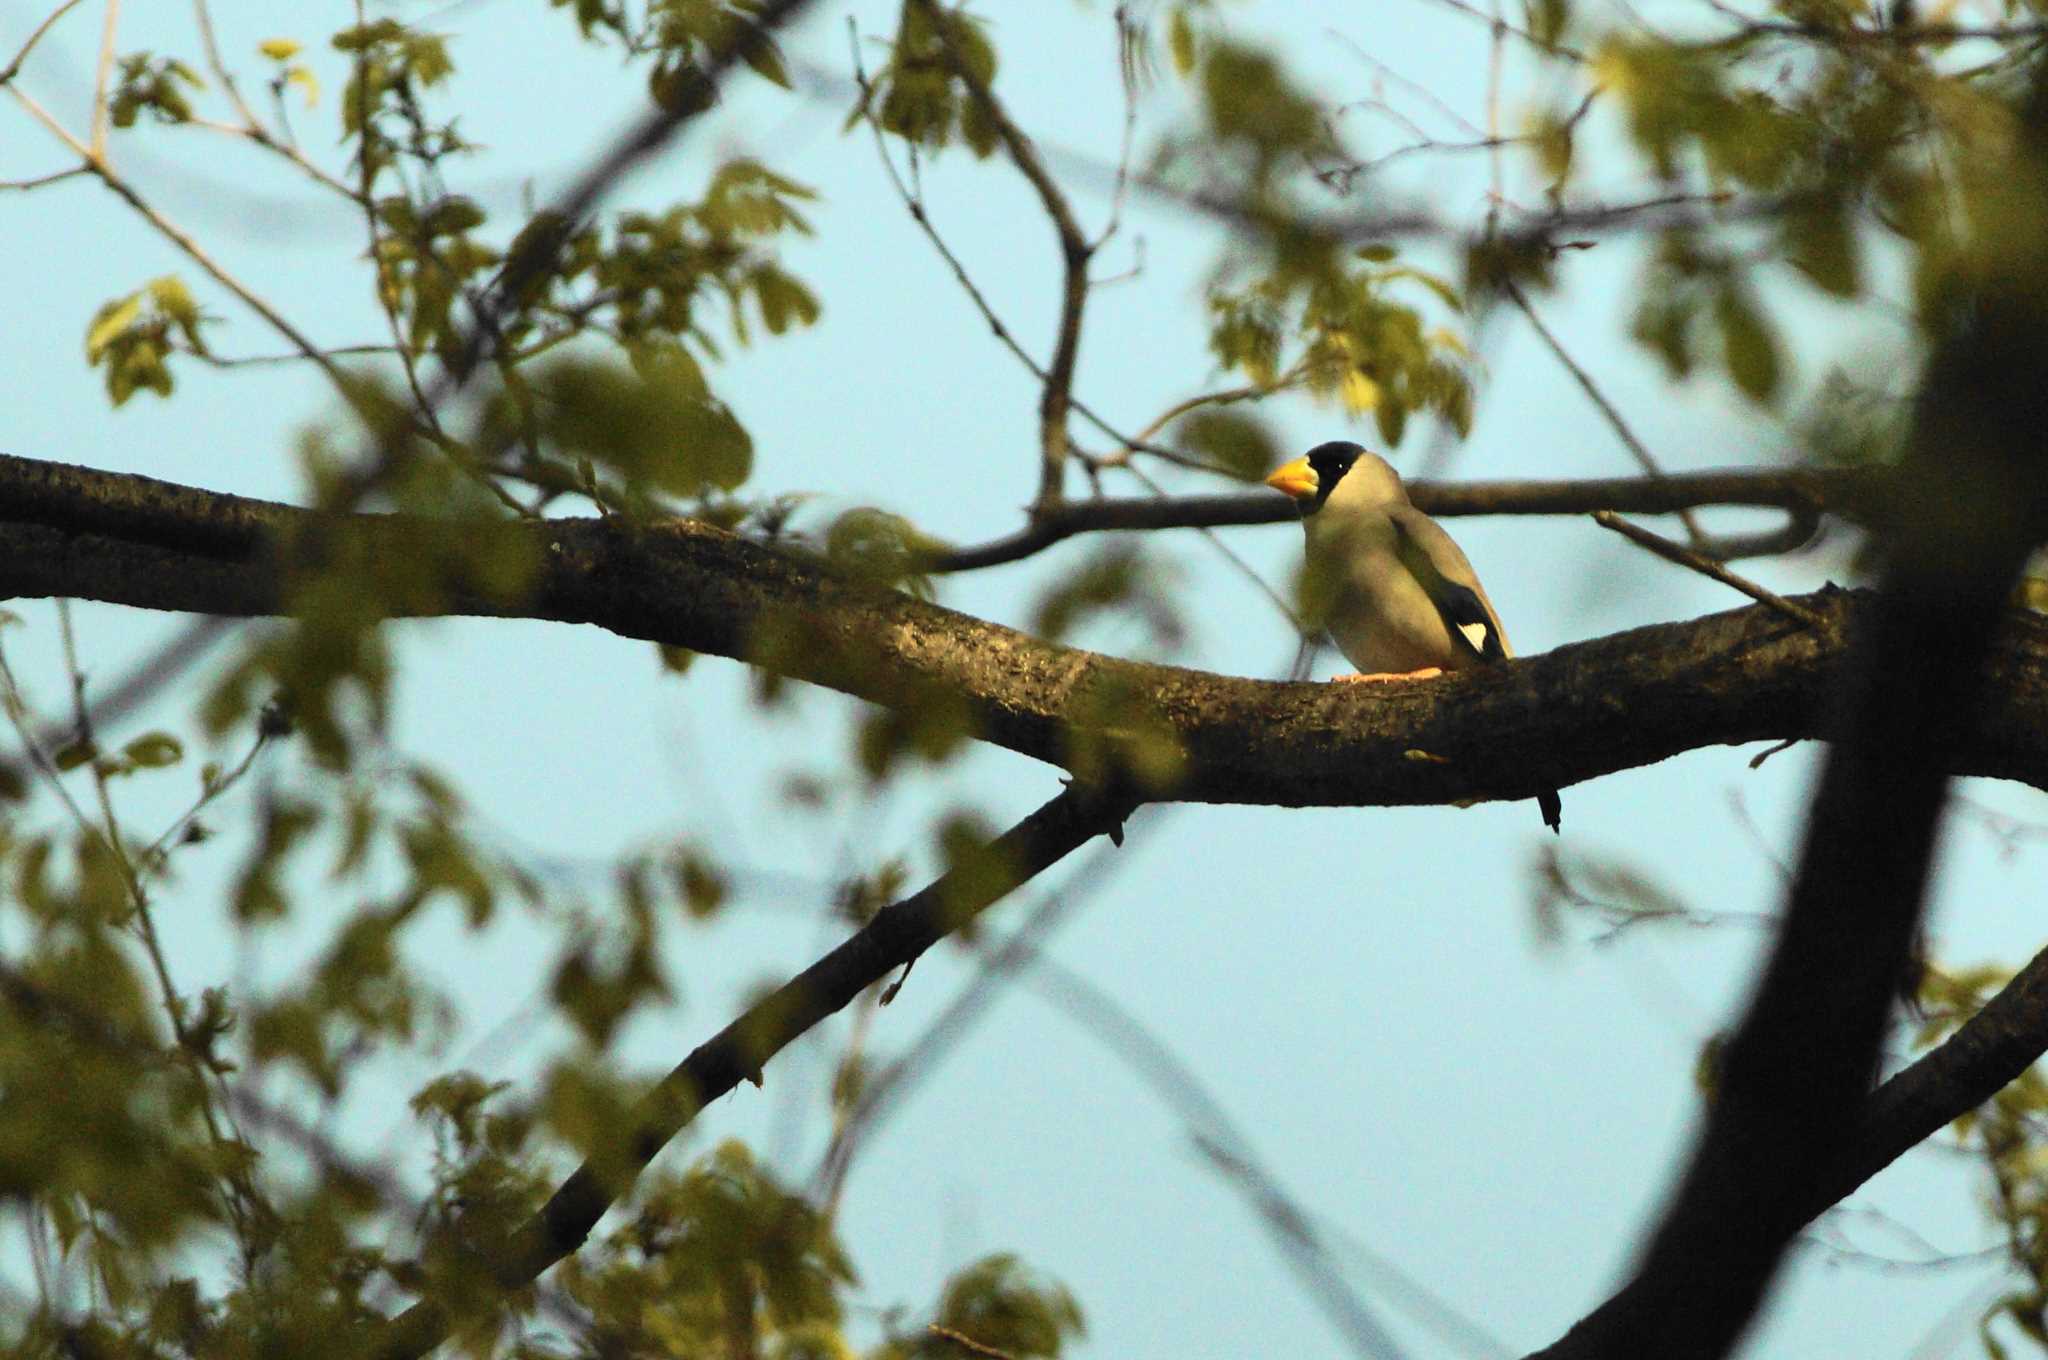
(1552, 808)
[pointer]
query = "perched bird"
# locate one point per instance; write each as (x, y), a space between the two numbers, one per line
(1392, 588)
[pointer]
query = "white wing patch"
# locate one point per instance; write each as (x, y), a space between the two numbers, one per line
(1475, 633)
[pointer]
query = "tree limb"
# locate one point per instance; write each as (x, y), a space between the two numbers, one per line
(1542, 722)
(1857, 493)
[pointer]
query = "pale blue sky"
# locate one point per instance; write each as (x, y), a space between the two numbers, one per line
(1359, 989)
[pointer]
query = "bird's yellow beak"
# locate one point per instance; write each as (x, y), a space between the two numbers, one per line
(1297, 479)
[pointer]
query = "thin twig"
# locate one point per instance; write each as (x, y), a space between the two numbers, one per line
(1127, 39)
(199, 256)
(1235, 560)
(1599, 399)
(1496, 54)
(102, 77)
(912, 198)
(1057, 396)
(1850, 491)
(1553, 49)
(50, 124)
(241, 1199)
(259, 360)
(1228, 1152)
(202, 17)
(1901, 37)
(967, 1343)
(1706, 566)
(1386, 72)
(39, 181)
(263, 137)
(13, 68)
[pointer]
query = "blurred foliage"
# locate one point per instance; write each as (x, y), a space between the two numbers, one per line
(132, 336)
(920, 93)
(1333, 323)
(159, 86)
(167, 1147)
(2008, 1134)
(1583, 889)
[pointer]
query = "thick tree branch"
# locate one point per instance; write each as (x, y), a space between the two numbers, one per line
(896, 937)
(1579, 712)
(1987, 1053)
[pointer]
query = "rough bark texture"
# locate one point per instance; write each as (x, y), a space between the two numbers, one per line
(1547, 721)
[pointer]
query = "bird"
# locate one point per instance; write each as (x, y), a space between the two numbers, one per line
(1398, 596)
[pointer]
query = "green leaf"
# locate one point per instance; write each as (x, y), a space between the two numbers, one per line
(1748, 347)
(1820, 243)
(1391, 415)
(110, 321)
(73, 754)
(1238, 444)
(1180, 40)
(1547, 19)
(154, 750)
(1250, 99)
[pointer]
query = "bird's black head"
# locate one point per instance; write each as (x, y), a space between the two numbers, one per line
(1331, 461)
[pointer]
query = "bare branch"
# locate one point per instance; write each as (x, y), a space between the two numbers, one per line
(1599, 399)
(50, 123)
(1075, 250)
(13, 68)
(1988, 1052)
(202, 18)
(1705, 566)
(1913, 35)
(1794, 1076)
(198, 254)
(1805, 493)
(1551, 49)
(38, 181)
(103, 78)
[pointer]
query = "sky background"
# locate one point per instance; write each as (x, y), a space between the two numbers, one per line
(1362, 991)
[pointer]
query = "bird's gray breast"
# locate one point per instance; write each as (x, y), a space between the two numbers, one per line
(1357, 587)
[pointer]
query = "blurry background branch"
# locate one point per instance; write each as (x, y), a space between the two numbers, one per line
(895, 938)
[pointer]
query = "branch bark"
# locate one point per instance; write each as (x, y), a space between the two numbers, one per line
(1585, 710)
(1859, 493)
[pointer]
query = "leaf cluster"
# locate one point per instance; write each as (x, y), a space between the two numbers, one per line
(1335, 323)
(133, 336)
(919, 93)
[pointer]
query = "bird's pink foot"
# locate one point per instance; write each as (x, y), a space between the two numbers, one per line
(1380, 677)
